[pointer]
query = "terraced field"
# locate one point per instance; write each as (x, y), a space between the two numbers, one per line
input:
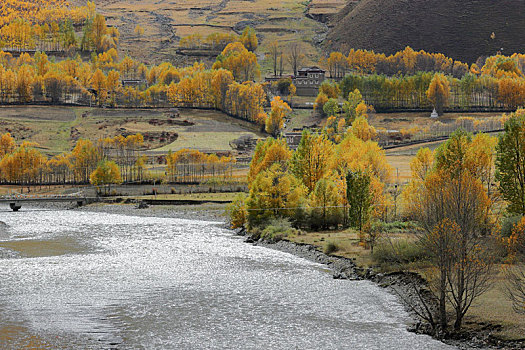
(56, 129)
(166, 21)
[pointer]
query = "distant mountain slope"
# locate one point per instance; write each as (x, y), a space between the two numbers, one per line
(166, 21)
(459, 29)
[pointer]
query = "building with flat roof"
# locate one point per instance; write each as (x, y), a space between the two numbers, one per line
(308, 81)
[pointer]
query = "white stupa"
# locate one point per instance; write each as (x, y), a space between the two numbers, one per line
(434, 114)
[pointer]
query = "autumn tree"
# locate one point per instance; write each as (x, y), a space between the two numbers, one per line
(275, 121)
(7, 144)
(274, 52)
(452, 196)
(220, 83)
(421, 164)
(25, 80)
(330, 89)
(24, 165)
(241, 62)
(515, 287)
(324, 202)
(359, 199)
(85, 157)
(510, 162)
(292, 91)
(439, 243)
(99, 84)
(351, 104)
(139, 31)
(106, 174)
(54, 86)
(113, 85)
(362, 130)
(337, 65)
(295, 56)
(237, 212)
(311, 160)
(331, 107)
(439, 92)
(267, 153)
(274, 193)
(320, 101)
(249, 39)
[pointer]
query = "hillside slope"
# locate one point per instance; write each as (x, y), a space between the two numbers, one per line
(166, 21)
(459, 29)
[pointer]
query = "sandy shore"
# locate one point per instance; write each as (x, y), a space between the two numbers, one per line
(203, 212)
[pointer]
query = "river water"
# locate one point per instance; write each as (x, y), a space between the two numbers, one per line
(80, 280)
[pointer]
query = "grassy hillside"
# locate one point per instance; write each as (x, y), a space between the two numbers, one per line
(459, 29)
(165, 22)
(56, 129)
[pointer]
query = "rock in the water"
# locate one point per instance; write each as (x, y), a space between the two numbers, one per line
(3, 228)
(143, 205)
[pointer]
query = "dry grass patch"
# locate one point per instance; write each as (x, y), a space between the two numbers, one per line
(57, 129)
(347, 243)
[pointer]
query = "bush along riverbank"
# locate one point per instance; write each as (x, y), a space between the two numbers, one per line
(411, 288)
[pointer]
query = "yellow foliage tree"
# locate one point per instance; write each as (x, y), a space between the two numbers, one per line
(267, 153)
(439, 92)
(362, 130)
(106, 174)
(241, 62)
(275, 121)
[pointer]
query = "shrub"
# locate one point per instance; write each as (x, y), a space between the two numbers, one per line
(283, 86)
(507, 225)
(277, 229)
(401, 251)
(330, 248)
(399, 226)
(237, 212)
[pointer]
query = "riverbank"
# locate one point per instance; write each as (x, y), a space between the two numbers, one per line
(399, 284)
(341, 267)
(404, 286)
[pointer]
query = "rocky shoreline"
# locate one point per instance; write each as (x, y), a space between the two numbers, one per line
(397, 283)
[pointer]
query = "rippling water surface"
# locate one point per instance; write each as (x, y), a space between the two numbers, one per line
(79, 280)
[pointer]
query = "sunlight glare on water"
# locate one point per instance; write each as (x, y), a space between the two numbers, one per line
(100, 281)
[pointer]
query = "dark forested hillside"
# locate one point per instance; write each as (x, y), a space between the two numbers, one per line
(459, 29)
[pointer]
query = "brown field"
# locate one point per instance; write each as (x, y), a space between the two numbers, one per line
(327, 7)
(399, 159)
(56, 129)
(165, 22)
(398, 121)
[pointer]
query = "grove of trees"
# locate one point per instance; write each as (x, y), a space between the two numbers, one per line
(24, 164)
(340, 178)
(403, 79)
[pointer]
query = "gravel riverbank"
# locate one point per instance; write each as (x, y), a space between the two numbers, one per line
(408, 287)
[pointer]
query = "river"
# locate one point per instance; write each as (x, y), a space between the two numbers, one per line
(82, 280)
